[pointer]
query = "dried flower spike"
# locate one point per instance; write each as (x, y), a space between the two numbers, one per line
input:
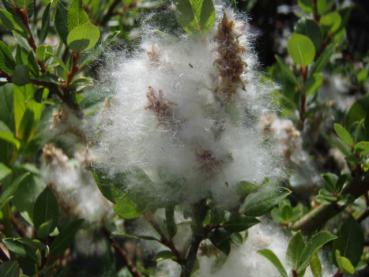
(229, 62)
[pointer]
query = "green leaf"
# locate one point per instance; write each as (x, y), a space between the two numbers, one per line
(126, 208)
(310, 29)
(305, 5)
(221, 239)
(83, 37)
(20, 75)
(165, 255)
(45, 23)
(323, 59)
(316, 266)
(332, 21)
(260, 202)
(343, 134)
(286, 71)
(239, 223)
(10, 269)
(65, 238)
(314, 83)
(274, 260)
(312, 247)
(295, 248)
(170, 221)
(362, 147)
(9, 21)
(195, 15)
(350, 240)
(76, 15)
(26, 195)
(301, 49)
(46, 212)
(21, 247)
(61, 21)
(4, 171)
(8, 192)
(7, 63)
(344, 264)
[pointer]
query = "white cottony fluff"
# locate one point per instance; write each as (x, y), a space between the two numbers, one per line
(73, 186)
(164, 116)
(244, 261)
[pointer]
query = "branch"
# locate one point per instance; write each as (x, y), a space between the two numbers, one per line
(110, 12)
(123, 254)
(316, 218)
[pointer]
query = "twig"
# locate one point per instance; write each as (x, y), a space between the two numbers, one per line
(316, 218)
(123, 254)
(110, 12)
(163, 238)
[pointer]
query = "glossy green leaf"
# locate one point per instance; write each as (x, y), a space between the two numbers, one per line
(312, 247)
(7, 63)
(362, 147)
(20, 75)
(295, 248)
(10, 269)
(4, 171)
(332, 21)
(46, 212)
(61, 20)
(83, 37)
(8, 191)
(76, 15)
(309, 28)
(316, 266)
(66, 236)
(350, 241)
(45, 23)
(344, 264)
(343, 134)
(240, 223)
(301, 49)
(260, 202)
(268, 254)
(195, 15)
(126, 208)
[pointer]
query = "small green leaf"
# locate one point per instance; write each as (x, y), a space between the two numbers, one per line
(20, 75)
(170, 221)
(195, 15)
(165, 255)
(65, 238)
(239, 223)
(295, 248)
(286, 70)
(46, 212)
(312, 247)
(301, 49)
(350, 240)
(309, 28)
(21, 247)
(126, 208)
(323, 59)
(61, 24)
(8, 192)
(362, 147)
(260, 202)
(45, 23)
(221, 239)
(343, 134)
(10, 269)
(344, 264)
(316, 266)
(83, 37)
(76, 15)
(7, 63)
(332, 21)
(4, 171)
(274, 260)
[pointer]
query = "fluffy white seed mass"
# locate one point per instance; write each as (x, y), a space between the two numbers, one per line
(244, 261)
(73, 186)
(185, 111)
